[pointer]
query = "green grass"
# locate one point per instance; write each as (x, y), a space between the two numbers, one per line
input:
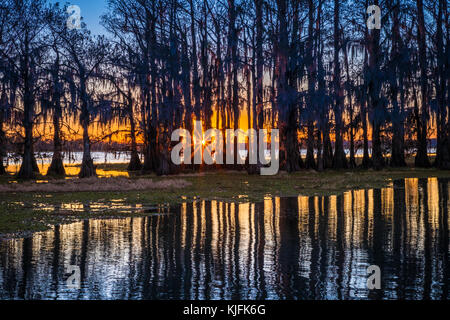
(32, 211)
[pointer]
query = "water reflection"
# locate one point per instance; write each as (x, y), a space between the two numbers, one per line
(72, 161)
(282, 248)
(71, 170)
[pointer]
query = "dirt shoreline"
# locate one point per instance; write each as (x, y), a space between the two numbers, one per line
(93, 185)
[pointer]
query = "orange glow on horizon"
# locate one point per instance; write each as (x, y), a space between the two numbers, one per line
(117, 132)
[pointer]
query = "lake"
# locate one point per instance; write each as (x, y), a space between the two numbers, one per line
(72, 160)
(310, 248)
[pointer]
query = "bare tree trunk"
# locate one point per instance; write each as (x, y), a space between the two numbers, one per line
(366, 162)
(447, 78)
(311, 101)
(28, 167)
(135, 161)
(2, 145)
(87, 164)
(447, 72)
(349, 89)
(195, 77)
(221, 103)
(286, 98)
(324, 151)
(327, 147)
(422, 130)
(248, 84)
(320, 164)
(398, 151)
(57, 167)
(258, 74)
(374, 97)
(206, 83)
(443, 151)
(3, 152)
(233, 66)
(339, 159)
(149, 101)
(186, 86)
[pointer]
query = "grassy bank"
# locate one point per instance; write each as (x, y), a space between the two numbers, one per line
(31, 206)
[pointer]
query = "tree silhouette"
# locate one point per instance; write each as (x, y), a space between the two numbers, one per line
(312, 69)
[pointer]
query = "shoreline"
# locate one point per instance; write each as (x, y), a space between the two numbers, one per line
(58, 202)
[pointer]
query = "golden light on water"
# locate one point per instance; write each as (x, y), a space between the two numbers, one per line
(72, 170)
(250, 243)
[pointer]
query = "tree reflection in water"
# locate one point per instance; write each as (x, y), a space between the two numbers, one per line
(282, 248)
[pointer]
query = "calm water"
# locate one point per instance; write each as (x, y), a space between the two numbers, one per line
(282, 248)
(71, 160)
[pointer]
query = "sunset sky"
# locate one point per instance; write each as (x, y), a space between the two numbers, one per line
(91, 11)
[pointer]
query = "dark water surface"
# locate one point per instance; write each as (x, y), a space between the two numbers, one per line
(282, 248)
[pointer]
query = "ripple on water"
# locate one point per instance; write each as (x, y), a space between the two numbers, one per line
(282, 248)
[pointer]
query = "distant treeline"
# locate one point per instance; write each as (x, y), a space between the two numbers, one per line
(312, 69)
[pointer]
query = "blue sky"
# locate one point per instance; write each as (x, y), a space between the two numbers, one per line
(91, 10)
